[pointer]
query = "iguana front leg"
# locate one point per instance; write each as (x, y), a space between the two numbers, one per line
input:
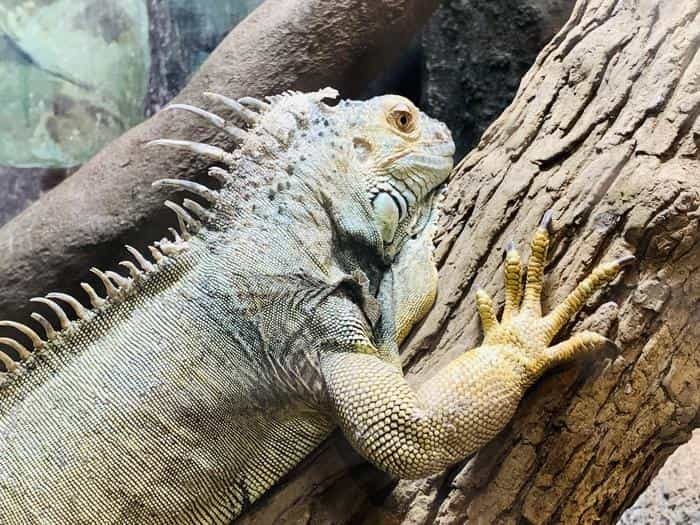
(413, 434)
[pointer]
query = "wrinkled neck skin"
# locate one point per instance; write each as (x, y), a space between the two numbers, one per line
(301, 162)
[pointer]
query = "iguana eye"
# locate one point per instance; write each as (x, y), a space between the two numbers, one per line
(402, 118)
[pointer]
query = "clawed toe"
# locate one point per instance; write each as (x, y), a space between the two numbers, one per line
(513, 278)
(487, 313)
(529, 300)
(539, 245)
(530, 311)
(601, 275)
(578, 345)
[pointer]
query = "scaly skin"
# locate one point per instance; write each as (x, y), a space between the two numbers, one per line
(216, 367)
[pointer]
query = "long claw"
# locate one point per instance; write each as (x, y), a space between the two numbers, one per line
(112, 291)
(627, 260)
(546, 222)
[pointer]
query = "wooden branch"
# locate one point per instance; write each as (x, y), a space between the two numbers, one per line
(301, 44)
(604, 131)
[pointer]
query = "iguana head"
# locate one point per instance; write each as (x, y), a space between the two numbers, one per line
(383, 152)
(404, 155)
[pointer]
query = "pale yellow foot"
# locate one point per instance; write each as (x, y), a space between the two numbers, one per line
(523, 324)
(415, 433)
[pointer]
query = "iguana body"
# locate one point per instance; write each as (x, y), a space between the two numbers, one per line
(206, 377)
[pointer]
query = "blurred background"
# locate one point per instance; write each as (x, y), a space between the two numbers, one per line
(75, 74)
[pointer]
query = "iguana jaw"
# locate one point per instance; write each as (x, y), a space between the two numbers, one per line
(402, 201)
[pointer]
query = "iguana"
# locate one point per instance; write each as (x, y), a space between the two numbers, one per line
(271, 317)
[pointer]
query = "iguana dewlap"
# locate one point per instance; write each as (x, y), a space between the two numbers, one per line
(272, 316)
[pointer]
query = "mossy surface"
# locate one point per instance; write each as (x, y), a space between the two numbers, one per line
(73, 76)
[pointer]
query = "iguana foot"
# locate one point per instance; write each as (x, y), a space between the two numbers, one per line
(523, 325)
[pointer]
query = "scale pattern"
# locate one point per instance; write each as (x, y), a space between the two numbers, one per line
(413, 434)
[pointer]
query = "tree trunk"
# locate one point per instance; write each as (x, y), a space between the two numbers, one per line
(603, 131)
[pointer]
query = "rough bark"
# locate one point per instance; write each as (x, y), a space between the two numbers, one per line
(305, 45)
(673, 496)
(20, 187)
(604, 131)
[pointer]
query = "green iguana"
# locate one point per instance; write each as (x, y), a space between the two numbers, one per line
(272, 316)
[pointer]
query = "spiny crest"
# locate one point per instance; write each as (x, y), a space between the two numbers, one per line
(191, 215)
(117, 287)
(251, 117)
(255, 123)
(316, 96)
